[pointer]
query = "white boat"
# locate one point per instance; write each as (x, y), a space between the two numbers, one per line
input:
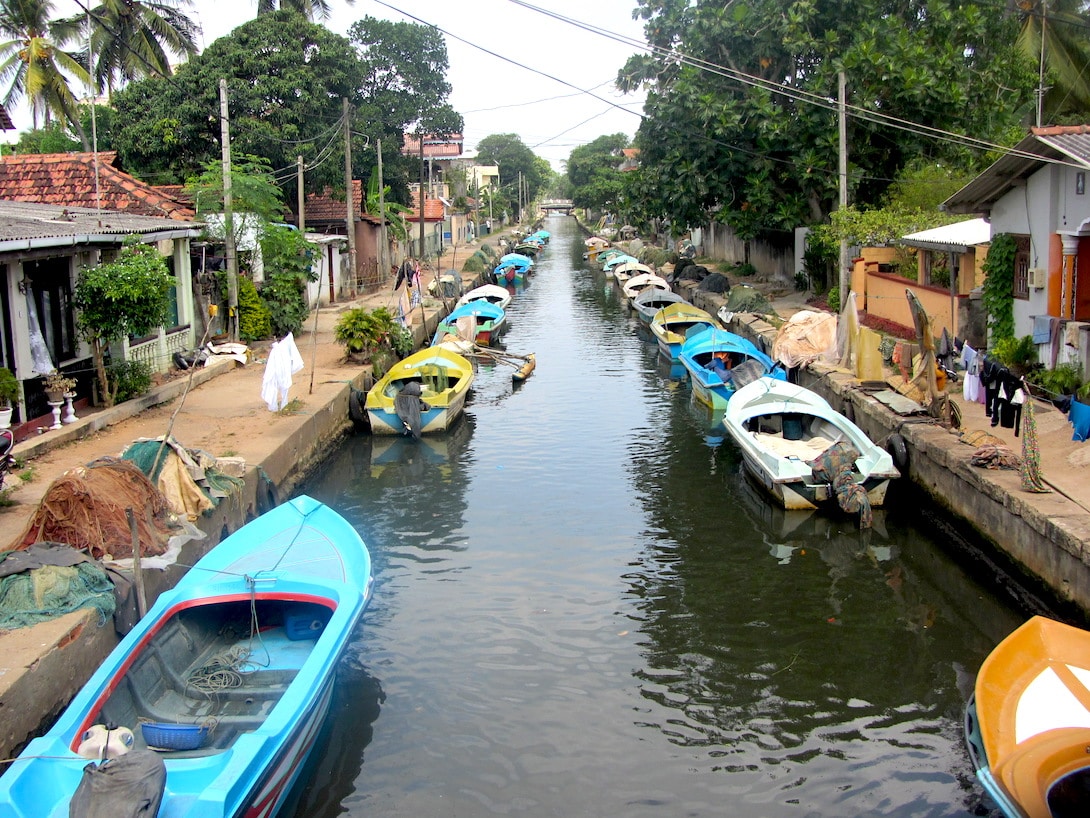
(800, 449)
(640, 282)
(650, 301)
(493, 293)
(627, 269)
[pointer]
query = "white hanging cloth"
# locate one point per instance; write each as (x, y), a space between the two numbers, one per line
(284, 361)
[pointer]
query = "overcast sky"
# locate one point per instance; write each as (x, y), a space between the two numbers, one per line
(550, 82)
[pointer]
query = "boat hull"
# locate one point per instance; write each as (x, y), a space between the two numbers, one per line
(304, 575)
(780, 427)
(696, 355)
(1027, 725)
(446, 377)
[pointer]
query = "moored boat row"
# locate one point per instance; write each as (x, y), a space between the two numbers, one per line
(427, 391)
(802, 452)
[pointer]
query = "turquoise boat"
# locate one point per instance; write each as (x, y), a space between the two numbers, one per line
(273, 607)
(712, 386)
(674, 323)
(485, 321)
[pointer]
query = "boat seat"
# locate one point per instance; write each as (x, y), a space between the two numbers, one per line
(1041, 761)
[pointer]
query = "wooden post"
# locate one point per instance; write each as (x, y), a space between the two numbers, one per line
(137, 572)
(228, 218)
(350, 217)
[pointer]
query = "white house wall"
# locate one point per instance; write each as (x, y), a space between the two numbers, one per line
(1037, 209)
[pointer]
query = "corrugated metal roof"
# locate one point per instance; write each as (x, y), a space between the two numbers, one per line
(27, 224)
(1066, 143)
(952, 238)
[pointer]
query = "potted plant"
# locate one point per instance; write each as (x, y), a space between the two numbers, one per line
(57, 385)
(9, 396)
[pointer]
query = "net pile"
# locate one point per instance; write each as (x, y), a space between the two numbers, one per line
(85, 508)
(53, 590)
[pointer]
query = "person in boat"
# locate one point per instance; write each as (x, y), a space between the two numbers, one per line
(721, 364)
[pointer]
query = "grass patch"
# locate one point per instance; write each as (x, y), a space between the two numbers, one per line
(292, 407)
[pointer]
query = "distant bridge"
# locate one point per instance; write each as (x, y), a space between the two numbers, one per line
(564, 206)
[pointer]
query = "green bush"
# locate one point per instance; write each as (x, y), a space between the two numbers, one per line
(9, 388)
(833, 299)
(285, 299)
(253, 316)
(376, 334)
(1018, 353)
(1065, 379)
(128, 379)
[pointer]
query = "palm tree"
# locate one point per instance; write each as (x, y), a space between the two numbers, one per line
(131, 39)
(311, 9)
(1053, 36)
(33, 63)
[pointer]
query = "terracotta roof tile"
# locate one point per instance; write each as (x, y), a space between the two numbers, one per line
(68, 179)
(434, 209)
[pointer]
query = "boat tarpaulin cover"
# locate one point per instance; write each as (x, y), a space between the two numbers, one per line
(408, 405)
(807, 336)
(129, 786)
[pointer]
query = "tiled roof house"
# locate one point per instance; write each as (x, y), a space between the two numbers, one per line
(68, 179)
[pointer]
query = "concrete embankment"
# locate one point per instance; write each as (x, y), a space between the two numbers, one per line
(1041, 540)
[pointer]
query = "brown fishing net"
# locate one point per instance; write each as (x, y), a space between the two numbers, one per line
(86, 509)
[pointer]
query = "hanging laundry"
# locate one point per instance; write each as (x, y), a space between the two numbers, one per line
(284, 361)
(1080, 419)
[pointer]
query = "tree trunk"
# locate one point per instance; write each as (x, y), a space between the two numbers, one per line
(100, 369)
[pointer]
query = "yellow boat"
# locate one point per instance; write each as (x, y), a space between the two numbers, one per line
(1027, 725)
(671, 324)
(423, 393)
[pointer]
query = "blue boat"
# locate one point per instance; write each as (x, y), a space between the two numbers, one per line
(718, 362)
(486, 320)
(272, 608)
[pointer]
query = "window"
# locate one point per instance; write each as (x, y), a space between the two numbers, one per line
(1021, 267)
(51, 288)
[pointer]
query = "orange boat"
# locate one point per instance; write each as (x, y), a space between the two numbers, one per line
(1027, 725)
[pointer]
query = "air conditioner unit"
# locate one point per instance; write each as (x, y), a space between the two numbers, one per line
(1037, 276)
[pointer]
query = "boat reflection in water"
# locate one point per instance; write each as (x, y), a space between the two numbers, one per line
(403, 454)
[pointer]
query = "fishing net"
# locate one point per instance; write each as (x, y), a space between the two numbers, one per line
(744, 298)
(714, 283)
(53, 590)
(86, 509)
(188, 478)
(835, 466)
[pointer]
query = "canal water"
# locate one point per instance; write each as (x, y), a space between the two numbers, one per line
(583, 608)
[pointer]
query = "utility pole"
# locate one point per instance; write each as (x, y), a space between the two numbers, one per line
(350, 205)
(384, 266)
(228, 218)
(842, 114)
(422, 197)
(1041, 65)
(300, 199)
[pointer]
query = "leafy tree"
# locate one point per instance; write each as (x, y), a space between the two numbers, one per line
(1058, 27)
(253, 189)
(998, 295)
(53, 138)
(127, 296)
(514, 159)
(754, 143)
(592, 170)
(286, 78)
(404, 89)
(34, 64)
(136, 38)
(395, 212)
(288, 258)
(311, 9)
